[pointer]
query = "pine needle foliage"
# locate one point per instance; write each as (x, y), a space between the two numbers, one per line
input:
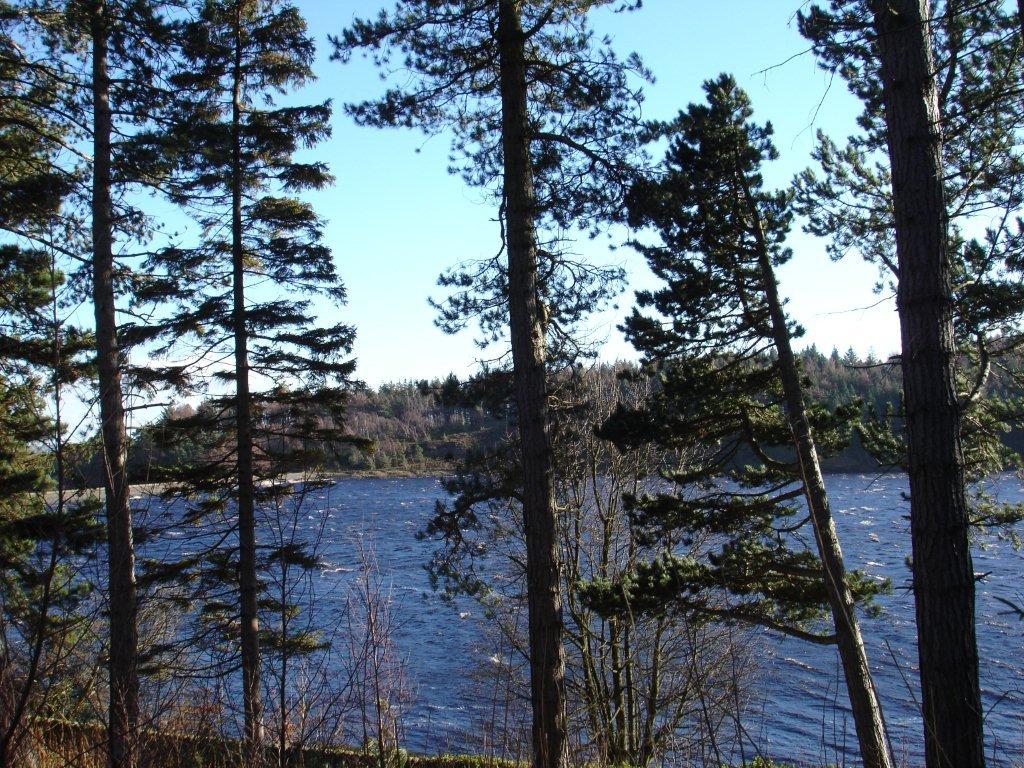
(847, 200)
(583, 104)
(707, 335)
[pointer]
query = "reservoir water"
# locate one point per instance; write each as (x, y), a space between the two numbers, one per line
(798, 711)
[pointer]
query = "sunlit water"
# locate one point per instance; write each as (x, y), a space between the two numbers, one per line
(800, 713)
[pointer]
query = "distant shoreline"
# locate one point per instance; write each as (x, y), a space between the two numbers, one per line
(138, 490)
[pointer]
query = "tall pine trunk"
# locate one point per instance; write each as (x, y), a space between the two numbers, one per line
(123, 662)
(942, 568)
(860, 686)
(547, 658)
(247, 579)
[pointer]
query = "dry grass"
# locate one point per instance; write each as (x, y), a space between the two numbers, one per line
(62, 744)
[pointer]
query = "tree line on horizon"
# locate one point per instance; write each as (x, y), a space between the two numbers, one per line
(427, 427)
(111, 110)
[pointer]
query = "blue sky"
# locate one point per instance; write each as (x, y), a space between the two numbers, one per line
(397, 219)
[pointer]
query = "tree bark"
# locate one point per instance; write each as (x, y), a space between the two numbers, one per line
(860, 686)
(547, 658)
(943, 572)
(123, 661)
(248, 585)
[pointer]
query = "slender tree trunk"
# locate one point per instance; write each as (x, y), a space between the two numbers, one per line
(124, 683)
(547, 658)
(282, 694)
(860, 686)
(942, 568)
(247, 582)
(647, 745)
(631, 699)
(618, 735)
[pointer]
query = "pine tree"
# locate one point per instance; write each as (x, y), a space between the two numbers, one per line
(732, 399)
(106, 58)
(544, 118)
(942, 565)
(849, 202)
(124, 638)
(32, 184)
(235, 167)
(938, 92)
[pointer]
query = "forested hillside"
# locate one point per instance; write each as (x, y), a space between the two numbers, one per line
(424, 427)
(413, 428)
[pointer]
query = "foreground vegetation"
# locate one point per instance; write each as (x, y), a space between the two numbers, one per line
(78, 745)
(81, 745)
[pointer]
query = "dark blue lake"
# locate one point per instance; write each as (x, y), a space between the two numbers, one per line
(799, 708)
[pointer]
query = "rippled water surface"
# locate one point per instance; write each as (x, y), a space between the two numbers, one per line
(799, 683)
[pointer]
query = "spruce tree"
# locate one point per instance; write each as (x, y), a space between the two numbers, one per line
(248, 292)
(732, 400)
(44, 530)
(545, 118)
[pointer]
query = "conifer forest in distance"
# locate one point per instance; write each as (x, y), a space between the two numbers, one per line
(652, 514)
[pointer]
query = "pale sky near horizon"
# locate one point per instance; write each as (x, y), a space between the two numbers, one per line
(397, 218)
